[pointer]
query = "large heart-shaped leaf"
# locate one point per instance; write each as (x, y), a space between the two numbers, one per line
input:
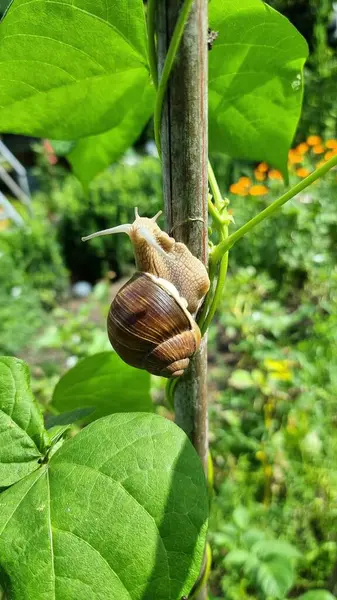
(120, 512)
(103, 381)
(70, 68)
(23, 439)
(255, 81)
(93, 154)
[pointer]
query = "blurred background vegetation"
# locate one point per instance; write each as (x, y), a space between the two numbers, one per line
(272, 351)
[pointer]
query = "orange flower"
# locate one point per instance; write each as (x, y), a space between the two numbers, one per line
(258, 190)
(319, 149)
(302, 148)
(330, 154)
(262, 167)
(245, 181)
(314, 140)
(332, 144)
(294, 157)
(274, 174)
(259, 176)
(302, 172)
(238, 189)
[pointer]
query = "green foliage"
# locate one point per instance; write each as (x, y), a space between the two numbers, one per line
(72, 543)
(317, 595)
(256, 81)
(21, 312)
(106, 383)
(76, 68)
(111, 200)
(32, 277)
(273, 423)
(88, 85)
(23, 439)
(35, 252)
(93, 154)
(254, 560)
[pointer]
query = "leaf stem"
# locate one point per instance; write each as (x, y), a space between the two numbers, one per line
(214, 187)
(150, 17)
(205, 574)
(168, 64)
(225, 245)
(221, 223)
(217, 294)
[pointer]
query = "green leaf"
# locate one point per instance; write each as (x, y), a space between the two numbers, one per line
(275, 577)
(105, 382)
(120, 513)
(241, 517)
(236, 558)
(67, 418)
(241, 380)
(93, 154)
(270, 548)
(255, 81)
(70, 68)
(62, 147)
(317, 595)
(23, 439)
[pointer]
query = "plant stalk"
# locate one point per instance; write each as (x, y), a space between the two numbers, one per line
(183, 133)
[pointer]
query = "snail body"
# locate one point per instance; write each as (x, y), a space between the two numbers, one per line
(159, 254)
(151, 321)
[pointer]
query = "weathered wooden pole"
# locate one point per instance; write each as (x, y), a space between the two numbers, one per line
(184, 138)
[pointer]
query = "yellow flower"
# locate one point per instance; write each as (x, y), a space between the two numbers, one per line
(332, 144)
(302, 172)
(259, 176)
(314, 140)
(262, 167)
(302, 148)
(258, 190)
(318, 149)
(274, 174)
(330, 154)
(238, 189)
(294, 157)
(245, 181)
(260, 455)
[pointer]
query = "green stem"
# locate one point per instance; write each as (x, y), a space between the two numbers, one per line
(151, 13)
(214, 187)
(205, 307)
(169, 392)
(217, 294)
(169, 60)
(215, 213)
(221, 223)
(205, 574)
(225, 245)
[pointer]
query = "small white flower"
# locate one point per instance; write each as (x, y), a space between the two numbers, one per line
(151, 148)
(16, 291)
(318, 258)
(71, 361)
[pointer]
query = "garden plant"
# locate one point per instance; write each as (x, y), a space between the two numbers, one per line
(118, 508)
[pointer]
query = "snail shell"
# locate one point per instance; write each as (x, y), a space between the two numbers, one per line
(150, 327)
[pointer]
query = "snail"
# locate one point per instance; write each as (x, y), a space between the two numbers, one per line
(151, 322)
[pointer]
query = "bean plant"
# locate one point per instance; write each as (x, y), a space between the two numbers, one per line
(118, 509)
